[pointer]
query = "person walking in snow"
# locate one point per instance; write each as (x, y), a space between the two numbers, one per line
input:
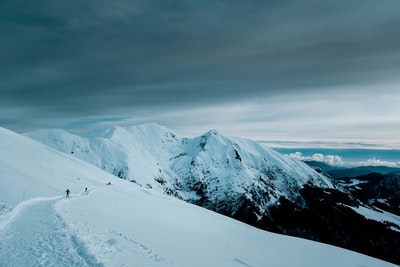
(67, 193)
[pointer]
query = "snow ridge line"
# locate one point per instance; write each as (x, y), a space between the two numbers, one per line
(8, 217)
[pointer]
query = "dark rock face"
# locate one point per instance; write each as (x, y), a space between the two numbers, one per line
(325, 215)
(376, 190)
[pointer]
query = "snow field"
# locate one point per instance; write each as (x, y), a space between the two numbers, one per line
(129, 226)
(123, 224)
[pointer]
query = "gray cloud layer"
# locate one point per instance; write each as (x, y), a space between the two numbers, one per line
(71, 60)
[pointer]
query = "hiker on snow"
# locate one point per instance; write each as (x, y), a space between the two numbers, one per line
(67, 193)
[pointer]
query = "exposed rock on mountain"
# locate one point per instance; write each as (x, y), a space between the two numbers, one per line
(220, 173)
(240, 178)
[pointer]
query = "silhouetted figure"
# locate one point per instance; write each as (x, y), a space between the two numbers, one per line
(67, 193)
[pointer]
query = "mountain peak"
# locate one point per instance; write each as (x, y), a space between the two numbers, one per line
(106, 132)
(213, 137)
(151, 155)
(122, 132)
(212, 132)
(34, 179)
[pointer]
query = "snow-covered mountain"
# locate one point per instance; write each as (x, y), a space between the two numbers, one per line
(375, 189)
(118, 223)
(220, 173)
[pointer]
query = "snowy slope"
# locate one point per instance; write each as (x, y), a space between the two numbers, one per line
(123, 224)
(211, 170)
(26, 164)
(133, 153)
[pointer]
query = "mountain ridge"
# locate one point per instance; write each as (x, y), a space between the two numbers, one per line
(118, 223)
(153, 156)
(242, 179)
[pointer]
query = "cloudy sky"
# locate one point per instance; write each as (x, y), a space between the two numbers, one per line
(267, 70)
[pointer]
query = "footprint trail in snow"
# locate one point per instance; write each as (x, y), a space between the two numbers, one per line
(37, 236)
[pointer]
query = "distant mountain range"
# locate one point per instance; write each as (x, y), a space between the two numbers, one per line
(376, 190)
(236, 177)
(340, 172)
(374, 186)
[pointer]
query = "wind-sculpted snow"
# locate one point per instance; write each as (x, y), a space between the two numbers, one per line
(37, 236)
(118, 223)
(210, 170)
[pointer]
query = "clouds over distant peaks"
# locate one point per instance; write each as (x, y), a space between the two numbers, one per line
(329, 159)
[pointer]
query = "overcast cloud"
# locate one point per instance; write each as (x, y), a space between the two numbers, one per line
(308, 70)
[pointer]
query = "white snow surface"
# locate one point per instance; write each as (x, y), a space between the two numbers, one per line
(123, 224)
(154, 157)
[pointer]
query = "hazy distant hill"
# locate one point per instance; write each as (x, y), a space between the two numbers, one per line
(357, 171)
(340, 172)
(322, 165)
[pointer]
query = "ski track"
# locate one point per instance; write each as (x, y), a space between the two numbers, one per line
(145, 250)
(37, 236)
